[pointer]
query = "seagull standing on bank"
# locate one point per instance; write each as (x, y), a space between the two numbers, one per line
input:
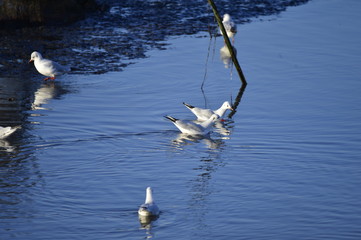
(7, 131)
(230, 26)
(148, 208)
(192, 128)
(204, 114)
(48, 67)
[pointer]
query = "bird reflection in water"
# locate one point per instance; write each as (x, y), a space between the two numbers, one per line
(221, 130)
(6, 146)
(42, 96)
(146, 223)
(186, 139)
(226, 56)
(46, 92)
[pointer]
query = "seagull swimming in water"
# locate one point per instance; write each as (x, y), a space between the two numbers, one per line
(230, 26)
(192, 128)
(7, 131)
(47, 67)
(204, 114)
(149, 208)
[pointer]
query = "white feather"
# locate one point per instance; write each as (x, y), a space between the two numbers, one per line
(148, 208)
(204, 114)
(192, 128)
(48, 67)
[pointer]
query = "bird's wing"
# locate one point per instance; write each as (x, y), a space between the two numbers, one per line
(188, 127)
(202, 114)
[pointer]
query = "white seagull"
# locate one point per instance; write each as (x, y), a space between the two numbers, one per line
(149, 208)
(47, 67)
(7, 131)
(192, 128)
(229, 25)
(204, 114)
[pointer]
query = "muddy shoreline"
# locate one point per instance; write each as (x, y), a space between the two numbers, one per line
(120, 32)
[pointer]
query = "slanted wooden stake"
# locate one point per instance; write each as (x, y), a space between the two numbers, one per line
(237, 100)
(228, 42)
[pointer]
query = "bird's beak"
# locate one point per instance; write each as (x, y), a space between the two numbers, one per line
(30, 60)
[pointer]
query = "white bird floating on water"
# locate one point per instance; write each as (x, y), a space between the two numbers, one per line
(149, 208)
(229, 25)
(204, 114)
(7, 131)
(47, 67)
(190, 127)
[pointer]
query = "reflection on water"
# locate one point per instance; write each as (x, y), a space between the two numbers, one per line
(146, 224)
(13, 97)
(237, 100)
(183, 139)
(46, 92)
(19, 177)
(226, 56)
(43, 95)
(212, 187)
(6, 146)
(201, 188)
(18, 96)
(146, 221)
(222, 127)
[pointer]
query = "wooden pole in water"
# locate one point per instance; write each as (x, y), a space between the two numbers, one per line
(237, 100)
(228, 43)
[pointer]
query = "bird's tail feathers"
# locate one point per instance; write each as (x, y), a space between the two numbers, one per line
(188, 105)
(171, 118)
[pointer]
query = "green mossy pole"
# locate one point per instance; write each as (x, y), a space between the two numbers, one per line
(228, 43)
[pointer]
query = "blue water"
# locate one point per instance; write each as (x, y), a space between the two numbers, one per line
(286, 166)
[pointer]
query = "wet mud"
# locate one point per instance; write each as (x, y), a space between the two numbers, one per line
(120, 32)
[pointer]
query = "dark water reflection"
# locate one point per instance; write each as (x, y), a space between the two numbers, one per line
(21, 179)
(46, 92)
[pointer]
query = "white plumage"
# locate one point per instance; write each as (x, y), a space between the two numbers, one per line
(204, 114)
(48, 67)
(148, 208)
(192, 128)
(229, 25)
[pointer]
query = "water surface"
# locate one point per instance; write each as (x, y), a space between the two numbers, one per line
(286, 166)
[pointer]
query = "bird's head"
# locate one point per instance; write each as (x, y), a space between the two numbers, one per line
(35, 55)
(226, 17)
(227, 105)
